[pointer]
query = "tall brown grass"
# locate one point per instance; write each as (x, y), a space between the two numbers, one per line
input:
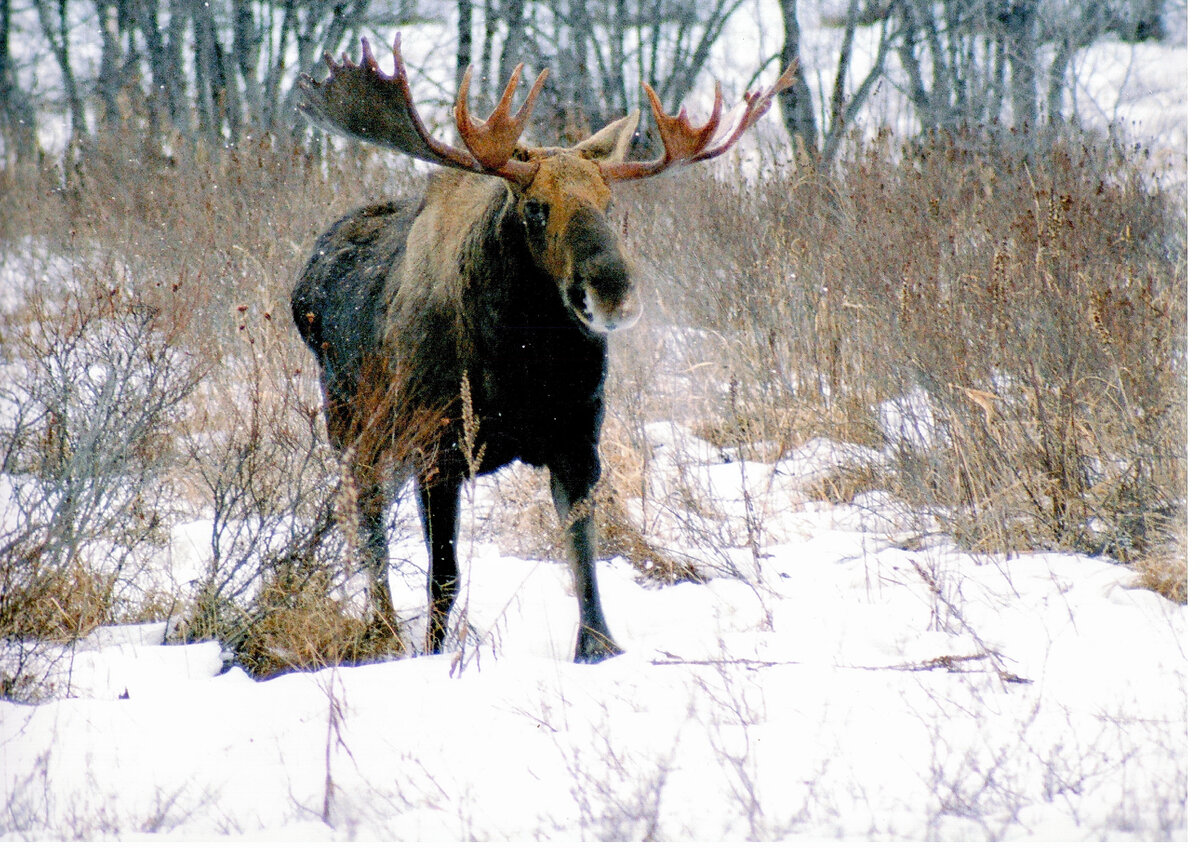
(1020, 320)
(1007, 329)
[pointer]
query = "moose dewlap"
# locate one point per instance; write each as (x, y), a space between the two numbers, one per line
(495, 289)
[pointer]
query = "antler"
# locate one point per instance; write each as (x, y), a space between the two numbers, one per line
(684, 144)
(493, 142)
(359, 100)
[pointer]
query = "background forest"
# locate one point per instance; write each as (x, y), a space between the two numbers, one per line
(224, 70)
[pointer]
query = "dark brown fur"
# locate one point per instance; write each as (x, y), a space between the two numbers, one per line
(478, 278)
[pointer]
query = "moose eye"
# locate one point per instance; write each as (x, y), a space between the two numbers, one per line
(537, 213)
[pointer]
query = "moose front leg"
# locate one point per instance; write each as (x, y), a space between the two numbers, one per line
(572, 499)
(439, 502)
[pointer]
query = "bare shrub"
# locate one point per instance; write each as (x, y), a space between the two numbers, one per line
(282, 582)
(1041, 314)
(1008, 329)
(93, 385)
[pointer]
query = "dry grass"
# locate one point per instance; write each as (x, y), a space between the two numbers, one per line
(1166, 575)
(1165, 570)
(844, 483)
(1008, 332)
(306, 626)
(59, 604)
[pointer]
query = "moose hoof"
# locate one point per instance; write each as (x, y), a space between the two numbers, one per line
(594, 647)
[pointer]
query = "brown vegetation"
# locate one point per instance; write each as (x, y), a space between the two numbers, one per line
(1007, 330)
(1019, 319)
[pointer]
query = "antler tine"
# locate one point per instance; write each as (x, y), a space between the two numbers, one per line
(493, 142)
(368, 58)
(757, 104)
(681, 141)
(522, 116)
(684, 144)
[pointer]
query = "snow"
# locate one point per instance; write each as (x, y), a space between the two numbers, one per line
(838, 696)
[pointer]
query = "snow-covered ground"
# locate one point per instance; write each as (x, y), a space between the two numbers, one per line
(859, 689)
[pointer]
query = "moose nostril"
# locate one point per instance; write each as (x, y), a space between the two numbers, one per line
(579, 299)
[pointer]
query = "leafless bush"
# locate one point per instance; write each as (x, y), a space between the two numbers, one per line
(93, 385)
(256, 460)
(282, 581)
(618, 792)
(1009, 329)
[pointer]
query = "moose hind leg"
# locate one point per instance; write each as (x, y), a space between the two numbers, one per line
(571, 493)
(439, 519)
(372, 502)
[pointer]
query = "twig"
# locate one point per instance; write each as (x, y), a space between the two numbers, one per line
(1004, 675)
(672, 659)
(948, 662)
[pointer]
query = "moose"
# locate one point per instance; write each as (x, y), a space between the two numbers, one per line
(482, 306)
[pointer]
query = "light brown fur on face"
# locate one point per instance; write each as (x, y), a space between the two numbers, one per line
(566, 183)
(566, 179)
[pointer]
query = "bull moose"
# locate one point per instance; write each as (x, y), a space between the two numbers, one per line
(498, 286)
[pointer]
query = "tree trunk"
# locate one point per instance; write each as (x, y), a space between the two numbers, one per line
(513, 13)
(56, 30)
(1020, 28)
(463, 58)
(579, 89)
(17, 117)
(614, 84)
(843, 111)
(489, 37)
(796, 103)
(177, 91)
(108, 81)
(247, 47)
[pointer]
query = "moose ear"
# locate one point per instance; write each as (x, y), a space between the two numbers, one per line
(610, 144)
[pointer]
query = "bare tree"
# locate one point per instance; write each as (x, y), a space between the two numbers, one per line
(818, 122)
(218, 70)
(209, 69)
(599, 52)
(18, 125)
(977, 61)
